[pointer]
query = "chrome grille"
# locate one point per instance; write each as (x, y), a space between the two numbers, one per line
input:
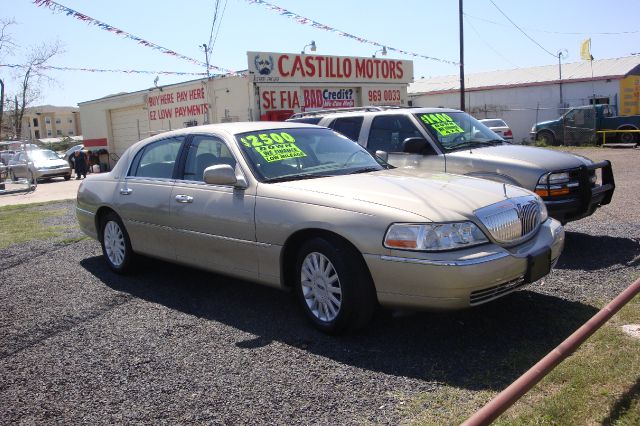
(512, 220)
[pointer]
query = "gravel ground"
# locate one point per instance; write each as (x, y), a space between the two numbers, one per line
(79, 344)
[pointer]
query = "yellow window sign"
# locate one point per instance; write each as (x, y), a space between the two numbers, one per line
(442, 123)
(279, 152)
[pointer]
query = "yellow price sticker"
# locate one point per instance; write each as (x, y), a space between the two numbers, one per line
(442, 123)
(279, 151)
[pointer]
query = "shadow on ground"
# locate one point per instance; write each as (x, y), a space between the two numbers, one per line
(482, 348)
(594, 252)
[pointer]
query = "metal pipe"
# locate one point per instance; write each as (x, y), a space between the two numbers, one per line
(511, 394)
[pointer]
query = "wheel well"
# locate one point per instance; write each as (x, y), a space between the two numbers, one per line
(293, 244)
(547, 131)
(627, 127)
(100, 214)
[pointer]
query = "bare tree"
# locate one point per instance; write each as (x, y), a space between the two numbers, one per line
(6, 47)
(32, 77)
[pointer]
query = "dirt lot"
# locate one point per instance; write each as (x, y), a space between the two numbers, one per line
(171, 344)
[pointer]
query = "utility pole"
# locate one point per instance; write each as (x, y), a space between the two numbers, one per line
(462, 106)
(561, 54)
(206, 57)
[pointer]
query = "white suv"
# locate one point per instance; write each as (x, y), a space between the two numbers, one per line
(448, 140)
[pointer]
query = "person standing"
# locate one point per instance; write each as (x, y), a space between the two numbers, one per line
(80, 162)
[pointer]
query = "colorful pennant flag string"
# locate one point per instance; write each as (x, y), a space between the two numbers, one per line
(306, 21)
(59, 8)
(51, 67)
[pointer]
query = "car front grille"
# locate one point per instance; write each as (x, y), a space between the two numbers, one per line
(485, 295)
(511, 221)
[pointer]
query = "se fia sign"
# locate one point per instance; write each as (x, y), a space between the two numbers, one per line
(270, 67)
(304, 98)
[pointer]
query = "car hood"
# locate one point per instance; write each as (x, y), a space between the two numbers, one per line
(546, 123)
(434, 196)
(524, 156)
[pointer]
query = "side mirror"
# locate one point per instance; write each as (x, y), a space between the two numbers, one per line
(220, 174)
(383, 155)
(414, 145)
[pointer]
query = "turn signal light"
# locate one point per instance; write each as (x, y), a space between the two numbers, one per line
(552, 192)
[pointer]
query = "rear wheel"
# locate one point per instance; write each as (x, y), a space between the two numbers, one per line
(628, 137)
(67, 177)
(333, 286)
(116, 246)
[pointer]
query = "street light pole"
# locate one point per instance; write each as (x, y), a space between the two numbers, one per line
(206, 56)
(462, 106)
(561, 54)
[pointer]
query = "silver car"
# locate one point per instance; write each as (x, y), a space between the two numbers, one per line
(499, 127)
(38, 164)
(300, 207)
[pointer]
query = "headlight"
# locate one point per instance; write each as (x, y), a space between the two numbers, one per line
(533, 129)
(433, 236)
(555, 184)
(544, 214)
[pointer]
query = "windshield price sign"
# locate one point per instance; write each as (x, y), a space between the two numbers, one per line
(442, 123)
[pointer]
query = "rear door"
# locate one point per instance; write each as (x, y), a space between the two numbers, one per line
(144, 197)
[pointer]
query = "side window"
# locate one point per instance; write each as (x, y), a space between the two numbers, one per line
(158, 159)
(389, 131)
(206, 151)
(348, 126)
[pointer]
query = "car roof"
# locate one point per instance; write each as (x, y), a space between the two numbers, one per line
(409, 110)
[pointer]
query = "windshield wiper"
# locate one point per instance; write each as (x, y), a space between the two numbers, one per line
(476, 143)
(365, 170)
(288, 178)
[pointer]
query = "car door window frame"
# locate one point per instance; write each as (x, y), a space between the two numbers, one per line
(432, 147)
(179, 177)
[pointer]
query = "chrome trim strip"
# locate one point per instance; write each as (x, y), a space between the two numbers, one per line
(220, 237)
(467, 262)
(87, 212)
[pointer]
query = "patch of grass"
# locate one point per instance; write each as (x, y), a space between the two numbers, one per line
(598, 384)
(74, 240)
(22, 223)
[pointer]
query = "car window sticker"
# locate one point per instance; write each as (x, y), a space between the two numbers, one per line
(441, 123)
(273, 146)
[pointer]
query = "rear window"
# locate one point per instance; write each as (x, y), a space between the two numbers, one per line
(348, 126)
(494, 123)
(307, 120)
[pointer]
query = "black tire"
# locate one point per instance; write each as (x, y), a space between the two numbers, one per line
(628, 137)
(116, 246)
(354, 299)
(67, 177)
(547, 138)
(12, 176)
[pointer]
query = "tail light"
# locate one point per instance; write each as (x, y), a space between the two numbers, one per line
(508, 133)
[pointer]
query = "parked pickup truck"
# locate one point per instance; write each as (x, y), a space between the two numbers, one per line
(452, 141)
(578, 124)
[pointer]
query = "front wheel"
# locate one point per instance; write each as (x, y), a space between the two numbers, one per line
(546, 138)
(333, 286)
(116, 246)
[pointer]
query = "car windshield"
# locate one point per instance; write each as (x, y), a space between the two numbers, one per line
(458, 130)
(43, 154)
(277, 155)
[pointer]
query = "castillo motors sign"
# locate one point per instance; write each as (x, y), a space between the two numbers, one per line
(269, 67)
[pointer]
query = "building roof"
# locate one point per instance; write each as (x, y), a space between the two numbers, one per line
(533, 76)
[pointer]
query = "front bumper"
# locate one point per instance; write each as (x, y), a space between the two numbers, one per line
(587, 198)
(51, 173)
(459, 279)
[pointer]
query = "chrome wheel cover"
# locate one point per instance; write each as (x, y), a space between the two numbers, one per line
(114, 243)
(320, 287)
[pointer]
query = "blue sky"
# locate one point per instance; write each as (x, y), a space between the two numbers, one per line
(426, 27)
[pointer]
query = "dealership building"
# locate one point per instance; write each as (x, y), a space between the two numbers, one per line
(274, 86)
(525, 96)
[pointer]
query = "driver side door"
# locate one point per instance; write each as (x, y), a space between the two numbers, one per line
(388, 132)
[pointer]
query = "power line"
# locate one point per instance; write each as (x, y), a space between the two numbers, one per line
(224, 8)
(521, 30)
(554, 32)
(216, 7)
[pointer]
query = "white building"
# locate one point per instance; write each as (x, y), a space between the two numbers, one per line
(525, 96)
(275, 86)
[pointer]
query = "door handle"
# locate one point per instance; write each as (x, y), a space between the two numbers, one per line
(125, 191)
(184, 199)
